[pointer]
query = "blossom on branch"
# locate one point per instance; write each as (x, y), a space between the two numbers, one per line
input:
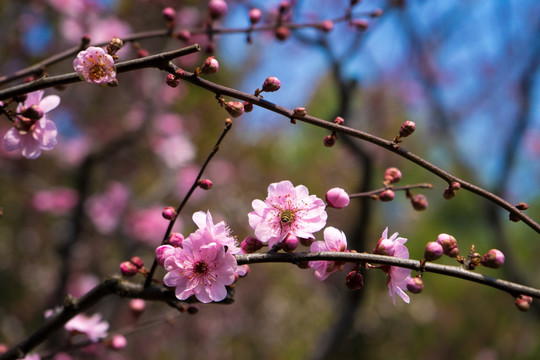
(92, 326)
(33, 131)
(94, 65)
(204, 265)
(334, 240)
(396, 277)
(287, 210)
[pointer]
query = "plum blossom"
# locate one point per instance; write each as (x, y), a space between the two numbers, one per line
(92, 326)
(33, 131)
(287, 210)
(396, 277)
(203, 266)
(95, 65)
(334, 240)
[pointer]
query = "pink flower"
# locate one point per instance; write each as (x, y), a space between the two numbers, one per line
(106, 209)
(334, 240)
(93, 327)
(396, 277)
(33, 131)
(95, 66)
(32, 357)
(287, 210)
(56, 201)
(203, 266)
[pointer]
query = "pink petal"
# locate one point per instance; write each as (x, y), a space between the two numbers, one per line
(49, 102)
(12, 139)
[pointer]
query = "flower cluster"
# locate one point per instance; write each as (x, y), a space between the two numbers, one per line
(203, 265)
(33, 131)
(92, 326)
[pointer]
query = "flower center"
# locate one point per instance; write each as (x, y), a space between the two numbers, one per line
(97, 71)
(286, 217)
(201, 268)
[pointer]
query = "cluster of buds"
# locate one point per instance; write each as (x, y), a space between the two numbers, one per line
(173, 80)
(450, 191)
(449, 245)
(330, 140)
(132, 267)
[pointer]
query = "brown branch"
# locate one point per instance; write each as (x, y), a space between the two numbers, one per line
(395, 188)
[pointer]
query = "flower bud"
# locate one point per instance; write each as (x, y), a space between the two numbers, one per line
(137, 261)
(354, 280)
(449, 193)
(299, 112)
(392, 175)
(169, 213)
(183, 35)
(118, 342)
(168, 14)
(137, 306)
(449, 244)
(415, 285)
(339, 120)
(419, 202)
(127, 268)
(205, 184)
(210, 65)
(513, 217)
(493, 259)
(251, 244)
(176, 239)
(234, 108)
(360, 24)
(522, 206)
(305, 241)
(248, 107)
(290, 243)
(387, 195)
(329, 140)
(271, 84)
(217, 8)
(407, 128)
(326, 25)
(433, 251)
(455, 185)
(172, 81)
(282, 33)
(114, 45)
(163, 252)
(523, 302)
(255, 16)
(337, 198)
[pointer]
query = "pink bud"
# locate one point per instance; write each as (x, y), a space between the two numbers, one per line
(205, 184)
(522, 206)
(137, 306)
(361, 24)
(251, 244)
(127, 268)
(523, 302)
(387, 195)
(172, 81)
(415, 285)
(449, 245)
(290, 243)
(449, 193)
(329, 140)
(210, 66)
(255, 15)
(392, 175)
(282, 33)
(339, 120)
(217, 8)
(407, 128)
(419, 202)
(455, 185)
(433, 251)
(493, 259)
(118, 342)
(299, 112)
(354, 280)
(137, 261)
(271, 84)
(234, 108)
(169, 213)
(326, 25)
(176, 239)
(337, 198)
(163, 252)
(169, 14)
(183, 35)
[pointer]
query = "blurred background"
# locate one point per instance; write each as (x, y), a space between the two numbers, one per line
(465, 72)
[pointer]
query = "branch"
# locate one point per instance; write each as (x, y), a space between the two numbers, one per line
(453, 271)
